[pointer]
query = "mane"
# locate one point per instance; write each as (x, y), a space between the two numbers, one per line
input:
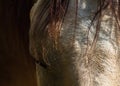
(49, 15)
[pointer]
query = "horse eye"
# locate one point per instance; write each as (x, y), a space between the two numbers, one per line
(42, 64)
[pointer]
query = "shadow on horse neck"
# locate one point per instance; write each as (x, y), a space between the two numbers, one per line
(16, 65)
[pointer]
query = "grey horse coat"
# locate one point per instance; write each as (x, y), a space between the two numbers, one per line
(100, 67)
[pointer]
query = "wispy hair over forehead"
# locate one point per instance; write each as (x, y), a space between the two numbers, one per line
(49, 15)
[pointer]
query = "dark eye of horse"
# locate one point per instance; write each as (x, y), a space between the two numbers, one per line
(42, 64)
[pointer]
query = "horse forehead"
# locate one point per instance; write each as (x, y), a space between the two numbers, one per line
(83, 3)
(83, 21)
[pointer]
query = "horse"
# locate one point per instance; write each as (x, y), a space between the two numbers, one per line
(76, 42)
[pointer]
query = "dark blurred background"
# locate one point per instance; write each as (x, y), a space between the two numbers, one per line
(16, 65)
